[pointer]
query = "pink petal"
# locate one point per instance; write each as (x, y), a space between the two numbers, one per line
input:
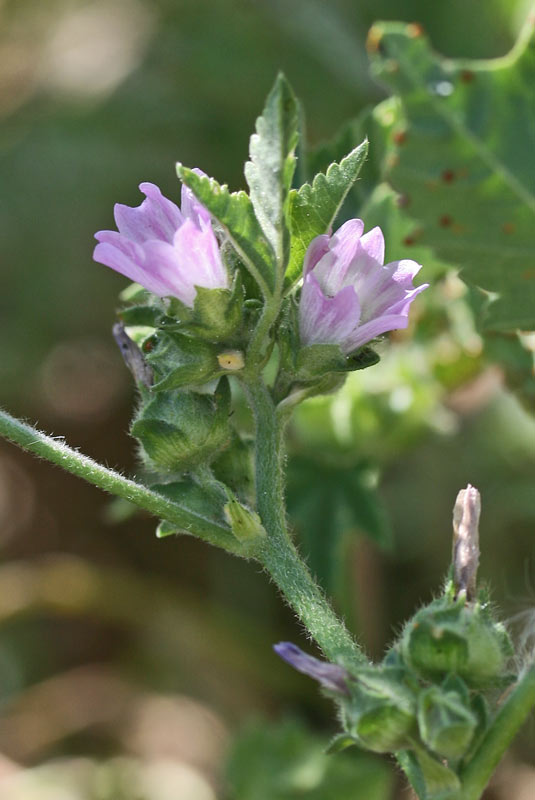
(317, 248)
(198, 255)
(375, 327)
(156, 217)
(191, 207)
(326, 320)
(344, 245)
(121, 260)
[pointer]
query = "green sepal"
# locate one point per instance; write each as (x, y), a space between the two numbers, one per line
(134, 293)
(217, 313)
(457, 637)
(381, 709)
(446, 722)
(341, 742)
(429, 776)
(149, 316)
(316, 360)
(193, 497)
(180, 361)
(179, 431)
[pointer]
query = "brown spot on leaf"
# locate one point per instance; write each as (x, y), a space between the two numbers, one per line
(403, 200)
(466, 76)
(508, 227)
(373, 40)
(445, 221)
(414, 30)
(529, 274)
(412, 238)
(399, 137)
(448, 176)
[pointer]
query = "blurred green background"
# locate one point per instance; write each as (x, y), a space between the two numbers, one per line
(128, 665)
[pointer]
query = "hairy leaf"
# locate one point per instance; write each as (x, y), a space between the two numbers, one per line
(270, 171)
(314, 207)
(234, 211)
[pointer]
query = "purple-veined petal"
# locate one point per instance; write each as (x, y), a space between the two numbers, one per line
(332, 267)
(375, 327)
(316, 249)
(345, 272)
(198, 255)
(331, 676)
(191, 208)
(120, 259)
(326, 320)
(156, 217)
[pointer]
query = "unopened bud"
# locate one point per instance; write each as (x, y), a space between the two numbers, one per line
(246, 524)
(446, 723)
(466, 541)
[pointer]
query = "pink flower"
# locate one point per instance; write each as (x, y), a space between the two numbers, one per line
(167, 250)
(348, 296)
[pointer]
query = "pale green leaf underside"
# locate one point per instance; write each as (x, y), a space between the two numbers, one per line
(270, 171)
(314, 207)
(234, 211)
(465, 162)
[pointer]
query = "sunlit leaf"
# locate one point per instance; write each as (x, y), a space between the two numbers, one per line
(270, 171)
(464, 160)
(234, 211)
(314, 207)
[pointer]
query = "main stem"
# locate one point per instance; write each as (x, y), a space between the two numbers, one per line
(277, 553)
(506, 724)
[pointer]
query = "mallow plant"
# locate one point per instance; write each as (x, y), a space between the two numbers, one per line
(261, 295)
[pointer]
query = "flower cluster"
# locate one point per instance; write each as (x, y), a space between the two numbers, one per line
(348, 297)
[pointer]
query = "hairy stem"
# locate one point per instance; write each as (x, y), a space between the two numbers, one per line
(505, 726)
(78, 464)
(277, 553)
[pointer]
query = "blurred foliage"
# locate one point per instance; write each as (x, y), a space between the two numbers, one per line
(282, 762)
(94, 98)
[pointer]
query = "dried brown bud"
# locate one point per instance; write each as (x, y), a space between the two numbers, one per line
(466, 541)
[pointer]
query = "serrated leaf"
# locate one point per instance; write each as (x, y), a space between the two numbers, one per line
(234, 211)
(465, 162)
(313, 208)
(270, 171)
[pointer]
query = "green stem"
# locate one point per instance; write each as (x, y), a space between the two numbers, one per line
(277, 553)
(506, 724)
(84, 467)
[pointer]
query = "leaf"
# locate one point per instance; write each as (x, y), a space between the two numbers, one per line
(189, 495)
(313, 207)
(234, 211)
(270, 171)
(465, 161)
(284, 761)
(327, 504)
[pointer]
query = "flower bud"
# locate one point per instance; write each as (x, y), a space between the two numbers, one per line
(180, 431)
(446, 723)
(381, 711)
(246, 524)
(453, 637)
(180, 361)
